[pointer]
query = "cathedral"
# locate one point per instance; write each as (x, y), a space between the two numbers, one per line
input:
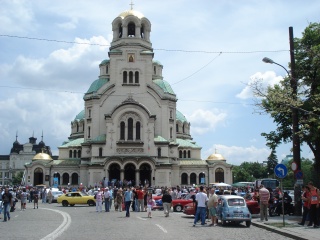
(130, 128)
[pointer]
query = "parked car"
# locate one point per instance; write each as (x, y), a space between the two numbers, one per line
(55, 195)
(178, 204)
(232, 208)
(72, 198)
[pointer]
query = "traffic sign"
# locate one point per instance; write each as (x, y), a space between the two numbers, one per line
(299, 182)
(280, 170)
(298, 174)
(294, 166)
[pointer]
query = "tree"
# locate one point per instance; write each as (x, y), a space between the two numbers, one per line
(277, 100)
(16, 178)
(272, 162)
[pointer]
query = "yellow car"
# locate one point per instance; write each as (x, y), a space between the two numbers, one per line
(72, 198)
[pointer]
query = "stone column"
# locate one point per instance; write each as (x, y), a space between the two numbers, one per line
(137, 177)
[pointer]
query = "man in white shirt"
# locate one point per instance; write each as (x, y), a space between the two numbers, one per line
(202, 200)
(106, 199)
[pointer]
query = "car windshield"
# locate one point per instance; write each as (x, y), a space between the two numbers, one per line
(57, 193)
(236, 202)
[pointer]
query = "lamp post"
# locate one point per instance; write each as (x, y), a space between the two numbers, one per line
(295, 120)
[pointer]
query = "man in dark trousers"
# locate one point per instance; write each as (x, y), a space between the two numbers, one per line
(166, 202)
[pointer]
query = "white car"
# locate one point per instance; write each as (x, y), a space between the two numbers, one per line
(55, 194)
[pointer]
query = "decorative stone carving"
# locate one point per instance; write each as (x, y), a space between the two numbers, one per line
(129, 150)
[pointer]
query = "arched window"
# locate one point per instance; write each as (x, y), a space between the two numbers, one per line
(142, 31)
(138, 130)
(74, 179)
(131, 29)
(177, 128)
(180, 154)
(122, 130)
(189, 154)
(70, 153)
(136, 77)
(171, 132)
(79, 153)
(154, 70)
(170, 113)
(107, 69)
(184, 179)
(202, 178)
(219, 175)
(182, 128)
(100, 152)
(77, 127)
(130, 129)
(184, 154)
(75, 153)
(89, 132)
(125, 76)
(130, 77)
(193, 178)
(159, 152)
(120, 30)
(65, 179)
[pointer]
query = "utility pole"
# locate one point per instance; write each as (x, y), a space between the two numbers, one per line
(295, 126)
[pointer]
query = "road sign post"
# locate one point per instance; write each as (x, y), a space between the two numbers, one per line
(281, 172)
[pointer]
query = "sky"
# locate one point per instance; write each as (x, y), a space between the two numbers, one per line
(210, 51)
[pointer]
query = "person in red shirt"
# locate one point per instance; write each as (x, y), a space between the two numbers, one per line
(140, 195)
(305, 196)
(314, 199)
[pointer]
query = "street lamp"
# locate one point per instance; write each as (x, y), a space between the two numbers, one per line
(295, 122)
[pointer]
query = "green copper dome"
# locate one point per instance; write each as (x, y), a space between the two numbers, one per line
(80, 116)
(97, 84)
(180, 117)
(105, 61)
(165, 86)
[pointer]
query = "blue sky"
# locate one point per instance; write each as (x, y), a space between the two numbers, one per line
(223, 42)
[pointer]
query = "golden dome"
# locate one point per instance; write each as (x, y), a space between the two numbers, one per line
(131, 12)
(216, 157)
(42, 156)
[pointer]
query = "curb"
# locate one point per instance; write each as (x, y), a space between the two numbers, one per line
(278, 231)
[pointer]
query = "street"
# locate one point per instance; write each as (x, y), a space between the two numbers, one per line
(52, 221)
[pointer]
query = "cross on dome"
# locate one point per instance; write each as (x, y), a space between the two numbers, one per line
(131, 4)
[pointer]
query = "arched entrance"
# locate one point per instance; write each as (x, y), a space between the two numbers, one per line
(193, 178)
(129, 172)
(114, 172)
(37, 176)
(145, 174)
(219, 175)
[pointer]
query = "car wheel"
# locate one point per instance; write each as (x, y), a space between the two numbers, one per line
(65, 203)
(248, 223)
(178, 208)
(91, 203)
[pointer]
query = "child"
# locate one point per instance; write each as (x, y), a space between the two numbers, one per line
(150, 204)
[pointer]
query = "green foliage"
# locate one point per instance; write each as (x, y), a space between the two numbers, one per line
(16, 178)
(278, 100)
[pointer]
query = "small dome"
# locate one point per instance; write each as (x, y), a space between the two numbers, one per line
(132, 13)
(42, 156)
(216, 157)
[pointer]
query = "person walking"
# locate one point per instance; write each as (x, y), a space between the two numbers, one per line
(212, 206)
(127, 200)
(150, 204)
(35, 198)
(44, 195)
(7, 203)
(166, 203)
(23, 199)
(50, 196)
(306, 206)
(264, 197)
(106, 196)
(202, 200)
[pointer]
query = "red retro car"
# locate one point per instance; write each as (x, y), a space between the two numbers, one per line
(253, 206)
(178, 204)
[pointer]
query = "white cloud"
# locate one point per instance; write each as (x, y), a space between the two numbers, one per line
(72, 24)
(236, 155)
(203, 121)
(268, 78)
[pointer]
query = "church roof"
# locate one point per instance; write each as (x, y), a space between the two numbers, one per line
(67, 162)
(97, 84)
(193, 162)
(80, 116)
(180, 117)
(105, 61)
(187, 143)
(100, 138)
(160, 139)
(156, 62)
(165, 86)
(132, 13)
(216, 157)
(42, 156)
(74, 143)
